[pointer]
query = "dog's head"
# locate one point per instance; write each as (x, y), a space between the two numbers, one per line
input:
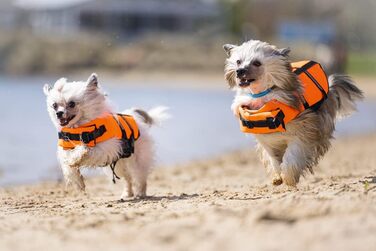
(257, 65)
(71, 104)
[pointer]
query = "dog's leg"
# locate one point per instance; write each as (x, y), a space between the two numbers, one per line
(139, 172)
(74, 157)
(272, 163)
(73, 177)
(276, 171)
(141, 163)
(121, 170)
(140, 186)
(271, 155)
(293, 162)
(128, 191)
(139, 182)
(239, 101)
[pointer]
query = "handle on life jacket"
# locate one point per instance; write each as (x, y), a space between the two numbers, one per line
(272, 120)
(314, 81)
(272, 117)
(265, 122)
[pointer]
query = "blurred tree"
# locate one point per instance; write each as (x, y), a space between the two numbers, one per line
(235, 15)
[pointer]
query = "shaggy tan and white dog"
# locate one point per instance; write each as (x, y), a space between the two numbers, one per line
(256, 66)
(71, 104)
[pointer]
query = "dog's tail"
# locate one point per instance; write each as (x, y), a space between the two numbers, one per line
(155, 116)
(343, 95)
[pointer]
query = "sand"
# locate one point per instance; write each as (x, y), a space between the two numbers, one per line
(226, 203)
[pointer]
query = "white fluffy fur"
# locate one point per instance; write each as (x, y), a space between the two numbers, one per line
(91, 103)
(287, 155)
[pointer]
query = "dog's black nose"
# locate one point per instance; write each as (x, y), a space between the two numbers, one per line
(240, 72)
(59, 115)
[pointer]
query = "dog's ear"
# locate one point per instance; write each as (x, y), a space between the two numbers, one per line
(92, 82)
(228, 48)
(46, 89)
(284, 51)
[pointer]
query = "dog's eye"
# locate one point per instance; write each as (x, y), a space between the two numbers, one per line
(256, 63)
(54, 105)
(238, 62)
(71, 104)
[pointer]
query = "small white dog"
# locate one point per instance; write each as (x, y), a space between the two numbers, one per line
(73, 104)
(260, 72)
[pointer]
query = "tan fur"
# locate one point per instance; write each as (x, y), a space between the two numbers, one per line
(291, 154)
(147, 119)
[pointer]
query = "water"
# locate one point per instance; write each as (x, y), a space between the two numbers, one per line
(202, 126)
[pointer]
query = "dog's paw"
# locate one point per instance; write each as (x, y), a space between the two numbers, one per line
(77, 157)
(289, 180)
(277, 180)
(139, 195)
(127, 195)
(76, 182)
(238, 102)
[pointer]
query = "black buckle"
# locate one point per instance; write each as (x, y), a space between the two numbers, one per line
(248, 124)
(271, 122)
(85, 137)
(64, 136)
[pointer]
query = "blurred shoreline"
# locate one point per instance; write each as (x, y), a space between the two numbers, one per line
(206, 80)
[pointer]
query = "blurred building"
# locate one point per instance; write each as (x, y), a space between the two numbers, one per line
(122, 17)
(10, 15)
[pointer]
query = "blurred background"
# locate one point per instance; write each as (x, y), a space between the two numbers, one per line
(45, 36)
(169, 52)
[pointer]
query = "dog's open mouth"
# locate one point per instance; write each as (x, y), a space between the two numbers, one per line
(65, 121)
(246, 82)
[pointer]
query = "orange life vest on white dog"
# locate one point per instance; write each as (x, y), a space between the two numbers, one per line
(119, 126)
(274, 115)
(108, 126)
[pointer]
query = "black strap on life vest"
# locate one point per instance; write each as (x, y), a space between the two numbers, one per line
(84, 137)
(304, 69)
(127, 145)
(112, 166)
(270, 122)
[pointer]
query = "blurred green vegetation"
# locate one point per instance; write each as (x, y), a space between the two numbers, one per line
(235, 13)
(363, 63)
(24, 53)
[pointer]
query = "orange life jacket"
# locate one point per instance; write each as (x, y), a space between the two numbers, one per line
(119, 126)
(274, 115)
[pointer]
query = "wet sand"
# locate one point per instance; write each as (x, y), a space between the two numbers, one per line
(226, 203)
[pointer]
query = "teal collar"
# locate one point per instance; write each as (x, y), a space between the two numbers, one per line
(261, 94)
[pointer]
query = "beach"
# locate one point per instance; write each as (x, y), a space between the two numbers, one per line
(225, 203)
(208, 189)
